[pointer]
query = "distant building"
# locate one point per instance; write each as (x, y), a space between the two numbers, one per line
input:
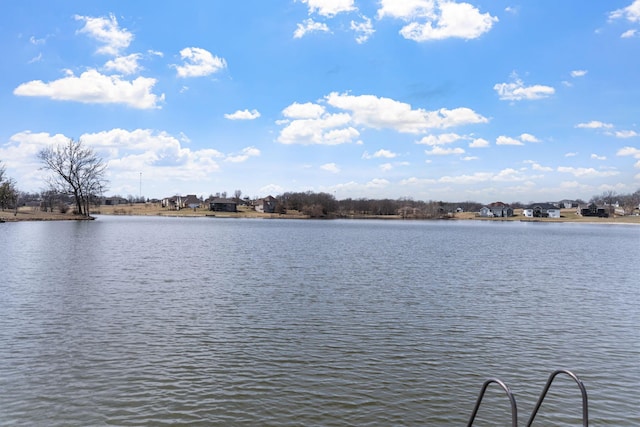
(266, 205)
(541, 210)
(496, 209)
(220, 204)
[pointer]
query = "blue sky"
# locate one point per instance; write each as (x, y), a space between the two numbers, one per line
(427, 99)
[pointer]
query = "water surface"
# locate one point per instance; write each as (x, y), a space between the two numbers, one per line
(245, 322)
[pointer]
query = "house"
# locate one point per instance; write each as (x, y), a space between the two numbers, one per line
(114, 201)
(496, 209)
(191, 201)
(266, 205)
(220, 204)
(593, 210)
(541, 210)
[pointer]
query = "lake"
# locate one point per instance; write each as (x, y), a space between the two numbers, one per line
(246, 322)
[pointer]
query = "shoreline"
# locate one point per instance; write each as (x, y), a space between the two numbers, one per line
(30, 214)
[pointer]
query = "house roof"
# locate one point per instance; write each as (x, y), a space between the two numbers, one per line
(545, 206)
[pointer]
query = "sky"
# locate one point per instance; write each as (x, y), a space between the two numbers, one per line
(489, 100)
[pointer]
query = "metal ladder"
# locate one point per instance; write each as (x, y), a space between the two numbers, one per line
(512, 399)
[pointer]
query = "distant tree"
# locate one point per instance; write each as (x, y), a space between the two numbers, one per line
(237, 195)
(77, 171)
(8, 191)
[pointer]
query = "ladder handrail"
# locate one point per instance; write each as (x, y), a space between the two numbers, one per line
(583, 390)
(512, 399)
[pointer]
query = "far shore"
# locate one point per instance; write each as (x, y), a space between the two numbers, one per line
(153, 209)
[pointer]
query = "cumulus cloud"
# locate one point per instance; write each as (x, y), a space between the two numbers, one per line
(124, 64)
(586, 172)
(363, 30)
(578, 73)
(630, 151)
(442, 139)
(311, 124)
(309, 26)
(329, 8)
(439, 151)
(307, 110)
(626, 133)
(628, 34)
(506, 140)
(479, 143)
(437, 20)
(92, 87)
(330, 129)
(517, 91)
(379, 112)
(596, 157)
(108, 32)
(199, 62)
(594, 124)
(631, 13)
(527, 137)
(538, 167)
(244, 155)
(386, 154)
(505, 175)
(243, 115)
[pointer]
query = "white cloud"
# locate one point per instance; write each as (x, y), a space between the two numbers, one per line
(506, 140)
(628, 34)
(243, 115)
(363, 30)
(442, 139)
(459, 20)
(439, 151)
(469, 158)
(594, 124)
(163, 159)
(378, 113)
(407, 9)
(329, 8)
(539, 167)
(307, 110)
(91, 87)
(310, 123)
(244, 155)
(330, 129)
(479, 143)
(626, 133)
(199, 62)
(630, 151)
(586, 172)
(310, 26)
(517, 91)
(505, 175)
(437, 20)
(108, 32)
(124, 64)
(385, 154)
(578, 73)
(631, 13)
(596, 157)
(571, 154)
(330, 167)
(527, 137)
(385, 167)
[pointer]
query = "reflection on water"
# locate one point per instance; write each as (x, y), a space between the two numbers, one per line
(152, 321)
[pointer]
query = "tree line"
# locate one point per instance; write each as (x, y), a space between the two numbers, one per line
(77, 175)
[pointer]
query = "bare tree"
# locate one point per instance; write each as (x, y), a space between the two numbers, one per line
(77, 171)
(8, 191)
